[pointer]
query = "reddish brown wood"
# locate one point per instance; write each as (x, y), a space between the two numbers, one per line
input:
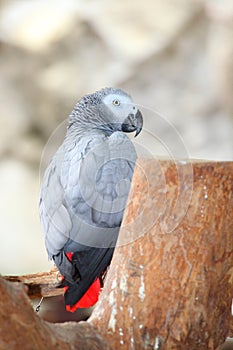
(39, 284)
(170, 282)
(172, 290)
(22, 328)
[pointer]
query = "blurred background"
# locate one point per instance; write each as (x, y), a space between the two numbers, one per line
(174, 57)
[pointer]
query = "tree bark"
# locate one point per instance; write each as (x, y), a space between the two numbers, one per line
(171, 288)
(22, 328)
(170, 282)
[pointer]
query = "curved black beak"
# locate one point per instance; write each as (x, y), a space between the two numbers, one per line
(134, 122)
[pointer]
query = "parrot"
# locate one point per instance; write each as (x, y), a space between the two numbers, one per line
(84, 191)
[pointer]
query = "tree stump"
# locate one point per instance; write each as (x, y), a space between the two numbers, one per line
(172, 287)
(170, 282)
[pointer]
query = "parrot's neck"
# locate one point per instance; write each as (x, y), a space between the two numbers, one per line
(79, 127)
(78, 132)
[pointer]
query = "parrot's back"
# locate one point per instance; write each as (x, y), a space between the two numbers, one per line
(83, 197)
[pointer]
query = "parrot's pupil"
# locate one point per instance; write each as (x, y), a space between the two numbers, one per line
(116, 102)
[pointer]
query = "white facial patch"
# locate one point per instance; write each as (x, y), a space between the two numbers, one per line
(120, 105)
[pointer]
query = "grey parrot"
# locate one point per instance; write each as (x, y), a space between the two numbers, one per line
(85, 188)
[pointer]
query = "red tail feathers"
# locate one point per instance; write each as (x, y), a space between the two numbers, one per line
(89, 298)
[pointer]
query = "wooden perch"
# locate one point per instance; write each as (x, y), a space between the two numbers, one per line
(170, 282)
(41, 284)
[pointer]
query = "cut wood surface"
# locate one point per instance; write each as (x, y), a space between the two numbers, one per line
(171, 279)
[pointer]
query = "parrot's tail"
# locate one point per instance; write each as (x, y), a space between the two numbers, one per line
(90, 297)
(90, 266)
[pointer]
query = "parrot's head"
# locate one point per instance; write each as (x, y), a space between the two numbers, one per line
(120, 111)
(109, 110)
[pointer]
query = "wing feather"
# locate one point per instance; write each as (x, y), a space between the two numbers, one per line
(84, 193)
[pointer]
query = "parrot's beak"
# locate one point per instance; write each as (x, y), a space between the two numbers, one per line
(139, 120)
(133, 122)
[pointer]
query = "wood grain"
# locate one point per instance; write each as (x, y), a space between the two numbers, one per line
(171, 279)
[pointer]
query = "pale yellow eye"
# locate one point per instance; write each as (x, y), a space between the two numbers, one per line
(116, 102)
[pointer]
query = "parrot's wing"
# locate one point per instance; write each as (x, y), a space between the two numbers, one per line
(96, 190)
(83, 196)
(97, 209)
(55, 219)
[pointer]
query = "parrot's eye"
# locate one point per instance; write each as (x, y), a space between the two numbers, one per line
(116, 102)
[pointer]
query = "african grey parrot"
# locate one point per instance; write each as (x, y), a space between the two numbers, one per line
(85, 188)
